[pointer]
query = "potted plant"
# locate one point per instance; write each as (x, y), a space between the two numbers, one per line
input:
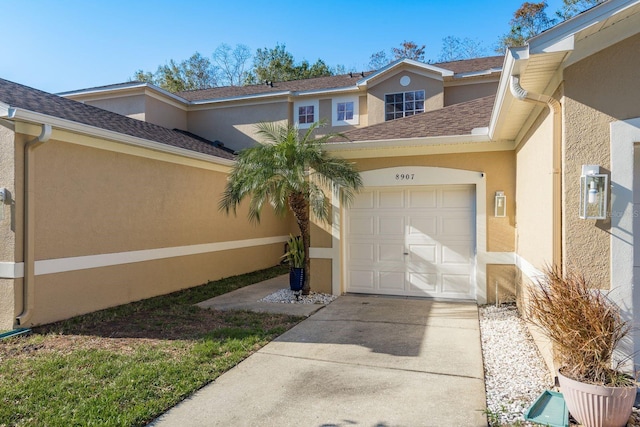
(585, 327)
(294, 254)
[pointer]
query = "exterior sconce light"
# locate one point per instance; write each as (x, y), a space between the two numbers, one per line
(500, 205)
(594, 193)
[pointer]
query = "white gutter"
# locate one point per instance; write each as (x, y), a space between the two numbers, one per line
(28, 290)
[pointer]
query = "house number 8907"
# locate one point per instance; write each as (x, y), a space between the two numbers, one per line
(404, 176)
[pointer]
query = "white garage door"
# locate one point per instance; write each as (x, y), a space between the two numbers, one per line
(416, 241)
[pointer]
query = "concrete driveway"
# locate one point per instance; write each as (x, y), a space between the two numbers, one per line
(360, 361)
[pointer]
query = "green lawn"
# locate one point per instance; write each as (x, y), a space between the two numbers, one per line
(127, 365)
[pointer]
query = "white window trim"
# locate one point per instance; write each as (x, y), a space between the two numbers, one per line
(334, 111)
(403, 92)
(316, 112)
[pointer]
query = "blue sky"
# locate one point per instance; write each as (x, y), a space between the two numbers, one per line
(71, 44)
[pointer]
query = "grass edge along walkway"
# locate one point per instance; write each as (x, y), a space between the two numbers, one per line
(126, 365)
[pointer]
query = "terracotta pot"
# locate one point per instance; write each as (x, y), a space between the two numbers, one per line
(595, 405)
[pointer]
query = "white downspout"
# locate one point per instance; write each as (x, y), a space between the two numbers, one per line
(556, 109)
(29, 226)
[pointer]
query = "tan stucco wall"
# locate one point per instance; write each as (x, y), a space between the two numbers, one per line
(320, 280)
(598, 90)
(164, 114)
(468, 92)
(91, 201)
(434, 93)
(534, 181)
(7, 224)
(499, 169)
(236, 126)
(131, 105)
(501, 283)
(7, 180)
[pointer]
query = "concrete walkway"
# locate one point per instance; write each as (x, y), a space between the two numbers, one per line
(361, 361)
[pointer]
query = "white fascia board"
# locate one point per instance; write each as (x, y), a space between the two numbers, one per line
(477, 73)
(477, 135)
(559, 37)
(240, 98)
(146, 86)
(39, 118)
(340, 90)
(503, 92)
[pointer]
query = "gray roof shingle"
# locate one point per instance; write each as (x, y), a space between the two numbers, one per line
(457, 119)
(329, 82)
(27, 98)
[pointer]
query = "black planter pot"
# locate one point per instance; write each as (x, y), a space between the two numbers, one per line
(296, 279)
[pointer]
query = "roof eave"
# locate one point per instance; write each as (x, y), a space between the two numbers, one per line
(146, 86)
(72, 126)
(476, 135)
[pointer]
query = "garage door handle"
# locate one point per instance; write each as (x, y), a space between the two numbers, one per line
(406, 253)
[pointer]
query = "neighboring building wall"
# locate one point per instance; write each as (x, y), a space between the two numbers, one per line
(455, 93)
(434, 93)
(598, 90)
(123, 224)
(235, 126)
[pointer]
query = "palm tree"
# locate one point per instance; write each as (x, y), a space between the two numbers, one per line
(290, 170)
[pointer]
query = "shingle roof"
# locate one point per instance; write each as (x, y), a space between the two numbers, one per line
(329, 82)
(27, 98)
(471, 65)
(457, 119)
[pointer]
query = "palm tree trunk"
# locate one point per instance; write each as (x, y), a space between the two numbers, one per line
(300, 208)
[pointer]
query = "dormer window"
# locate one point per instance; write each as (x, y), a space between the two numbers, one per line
(403, 104)
(305, 113)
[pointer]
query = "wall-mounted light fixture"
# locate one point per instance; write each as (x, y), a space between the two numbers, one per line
(500, 205)
(5, 198)
(594, 193)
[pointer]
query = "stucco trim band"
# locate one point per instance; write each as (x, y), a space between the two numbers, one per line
(60, 265)
(528, 269)
(11, 270)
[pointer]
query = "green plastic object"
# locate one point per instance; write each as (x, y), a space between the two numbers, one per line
(14, 333)
(549, 409)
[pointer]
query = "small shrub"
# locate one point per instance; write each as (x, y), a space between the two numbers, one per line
(584, 325)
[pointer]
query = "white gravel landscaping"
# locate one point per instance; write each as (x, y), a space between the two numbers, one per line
(515, 373)
(287, 296)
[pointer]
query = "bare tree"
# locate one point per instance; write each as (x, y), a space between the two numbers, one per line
(231, 63)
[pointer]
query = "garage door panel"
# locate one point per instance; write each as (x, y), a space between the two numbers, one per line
(362, 225)
(364, 200)
(456, 253)
(427, 198)
(391, 252)
(456, 226)
(423, 225)
(423, 253)
(423, 282)
(391, 199)
(391, 225)
(362, 252)
(391, 280)
(362, 280)
(456, 284)
(455, 197)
